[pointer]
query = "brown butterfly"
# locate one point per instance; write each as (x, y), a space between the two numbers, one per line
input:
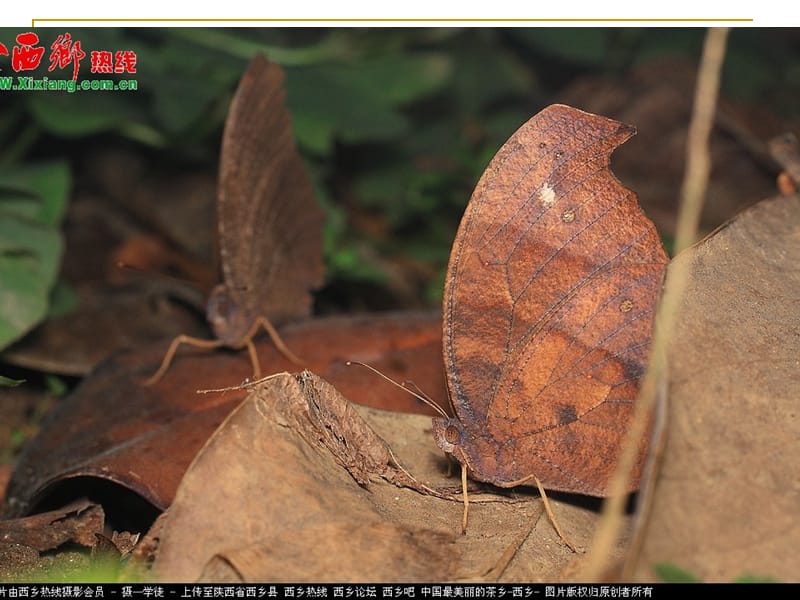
(548, 308)
(269, 225)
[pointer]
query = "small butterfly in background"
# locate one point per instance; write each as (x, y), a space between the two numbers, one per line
(269, 224)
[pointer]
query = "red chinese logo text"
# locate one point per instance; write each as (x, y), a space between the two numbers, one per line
(64, 51)
(27, 55)
(121, 61)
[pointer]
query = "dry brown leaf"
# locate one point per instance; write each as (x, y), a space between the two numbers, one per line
(340, 550)
(296, 485)
(725, 502)
(143, 438)
(77, 522)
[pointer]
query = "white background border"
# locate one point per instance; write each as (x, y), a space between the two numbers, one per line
(763, 13)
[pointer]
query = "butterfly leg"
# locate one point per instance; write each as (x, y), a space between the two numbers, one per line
(247, 342)
(173, 348)
(450, 460)
(551, 515)
(251, 350)
(276, 339)
(548, 509)
(465, 515)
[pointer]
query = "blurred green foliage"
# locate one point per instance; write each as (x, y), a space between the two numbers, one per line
(33, 198)
(672, 573)
(396, 124)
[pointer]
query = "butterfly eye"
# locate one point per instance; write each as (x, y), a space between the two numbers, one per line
(452, 435)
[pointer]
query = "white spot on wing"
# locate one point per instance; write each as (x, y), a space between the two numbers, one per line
(547, 195)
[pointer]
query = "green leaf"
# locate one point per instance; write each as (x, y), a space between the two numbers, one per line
(400, 191)
(29, 257)
(55, 385)
(359, 103)
(18, 439)
(398, 79)
(487, 74)
(8, 382)
(581, 45)
(63, 300)
(671, 573)
(180, 102)
(245, 44)
(82, 113)
(753, 578)
(350, 263)
(36, 192)
(32, 203)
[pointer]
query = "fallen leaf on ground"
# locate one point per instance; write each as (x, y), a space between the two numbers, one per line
(143, 438)
(297, 485)
(77, 522)
(725, 500)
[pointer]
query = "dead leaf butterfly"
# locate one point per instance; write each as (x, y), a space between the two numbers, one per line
(548, 307)
(269, 225)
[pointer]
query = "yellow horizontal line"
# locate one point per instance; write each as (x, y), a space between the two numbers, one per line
(403, 20)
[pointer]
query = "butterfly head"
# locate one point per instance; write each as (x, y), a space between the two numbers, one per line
(226, 317)
(448, 435)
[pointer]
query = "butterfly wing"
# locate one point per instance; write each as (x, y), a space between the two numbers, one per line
(269, 225)
(548, 307)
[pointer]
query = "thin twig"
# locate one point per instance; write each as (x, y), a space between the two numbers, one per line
(496, 572)
(698, 154)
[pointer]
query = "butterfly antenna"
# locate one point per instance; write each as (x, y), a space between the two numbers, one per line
(409, 383)
(421, 397)
(246, 384)
(421, 393)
